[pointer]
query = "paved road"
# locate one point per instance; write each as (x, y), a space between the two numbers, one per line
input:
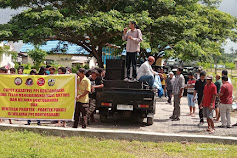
(162, 123)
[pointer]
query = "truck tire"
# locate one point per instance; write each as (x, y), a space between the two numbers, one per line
(103, 115)
(150, 121)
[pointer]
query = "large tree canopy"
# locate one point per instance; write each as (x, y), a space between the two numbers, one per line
(193, 30)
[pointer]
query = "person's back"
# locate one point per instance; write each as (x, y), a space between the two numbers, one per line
(227, 90)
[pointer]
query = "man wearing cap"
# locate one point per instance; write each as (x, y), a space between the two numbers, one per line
(145, 72)
(168, 86)
(208, 102)
(226, 102)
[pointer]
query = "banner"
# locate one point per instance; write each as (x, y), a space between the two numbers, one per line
(37, 97)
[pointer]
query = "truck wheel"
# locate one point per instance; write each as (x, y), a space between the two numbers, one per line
(103, 115)
(149, 121)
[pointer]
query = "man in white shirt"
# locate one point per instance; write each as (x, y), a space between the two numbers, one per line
(145, 72)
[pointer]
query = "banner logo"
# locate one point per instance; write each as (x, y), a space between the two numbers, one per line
(51, 82)
(18, 81)
(29, 82)
(40, 82)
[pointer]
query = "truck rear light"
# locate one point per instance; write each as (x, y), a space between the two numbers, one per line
(143, 106)
(106, 104)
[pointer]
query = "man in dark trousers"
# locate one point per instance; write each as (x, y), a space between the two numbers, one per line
(177, 91)
(199, 87)
(133, 38)
(82, 99)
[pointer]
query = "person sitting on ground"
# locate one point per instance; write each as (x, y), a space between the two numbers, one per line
(208, 103)
(146, 73)
(168, 86)
(190, 91)
(218, 85)
(225, 102)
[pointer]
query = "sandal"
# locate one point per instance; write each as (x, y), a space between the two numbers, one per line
(212, 131)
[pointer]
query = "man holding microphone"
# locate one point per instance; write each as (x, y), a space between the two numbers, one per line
(133, 36)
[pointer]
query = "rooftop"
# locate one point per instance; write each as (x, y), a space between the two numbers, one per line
(56, 46)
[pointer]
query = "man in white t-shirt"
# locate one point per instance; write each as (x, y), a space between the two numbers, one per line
(145, 72)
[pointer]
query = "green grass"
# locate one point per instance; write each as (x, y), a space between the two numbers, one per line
(29, 144)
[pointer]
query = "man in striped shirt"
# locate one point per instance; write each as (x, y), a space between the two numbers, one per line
(190, 90)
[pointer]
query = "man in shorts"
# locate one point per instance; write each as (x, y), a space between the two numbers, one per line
(208, 103)
(190, 91)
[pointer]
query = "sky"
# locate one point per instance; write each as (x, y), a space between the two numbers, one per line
(228, 6)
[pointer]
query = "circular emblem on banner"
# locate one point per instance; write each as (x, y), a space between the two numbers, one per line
(29, 82)
(51, 82)
(18, 81)
(40, 82)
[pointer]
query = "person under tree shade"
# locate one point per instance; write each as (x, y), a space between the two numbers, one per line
(133, 38)
(96, 84)
(82, 99)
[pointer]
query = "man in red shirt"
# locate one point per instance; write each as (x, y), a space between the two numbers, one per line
(226, 102)
(208, 102)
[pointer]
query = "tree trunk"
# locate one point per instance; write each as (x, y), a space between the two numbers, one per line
(99, 60)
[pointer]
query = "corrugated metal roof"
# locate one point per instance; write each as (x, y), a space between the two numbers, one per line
(53, 44)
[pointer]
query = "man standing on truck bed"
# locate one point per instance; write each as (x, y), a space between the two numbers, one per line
(133, 38)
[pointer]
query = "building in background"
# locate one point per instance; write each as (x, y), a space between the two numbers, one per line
(58, 52)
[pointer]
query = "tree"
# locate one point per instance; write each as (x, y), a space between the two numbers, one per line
(37, 55)
(191, 30)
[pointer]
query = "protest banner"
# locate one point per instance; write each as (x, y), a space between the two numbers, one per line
(37, 97)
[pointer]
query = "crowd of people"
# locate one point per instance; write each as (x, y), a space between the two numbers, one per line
(210, 96)
(88, 83)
